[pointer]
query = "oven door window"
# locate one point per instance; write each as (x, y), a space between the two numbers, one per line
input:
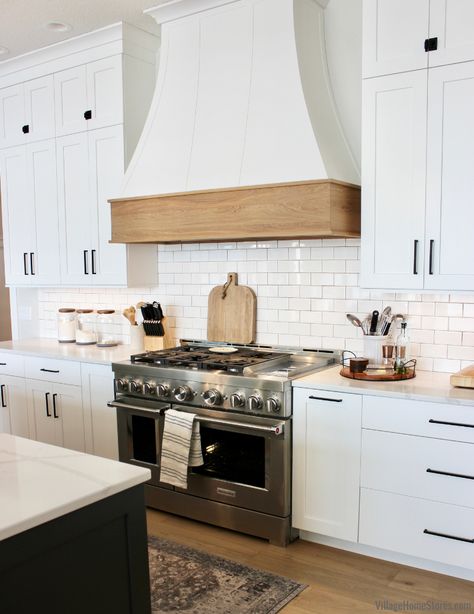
(233, 457)
(143, 439)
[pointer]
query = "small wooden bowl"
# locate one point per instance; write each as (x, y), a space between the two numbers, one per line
(358, 365)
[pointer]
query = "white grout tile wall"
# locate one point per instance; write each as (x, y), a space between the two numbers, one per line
(304, 290)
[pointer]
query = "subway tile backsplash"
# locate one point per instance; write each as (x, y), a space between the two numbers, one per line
(304, 290)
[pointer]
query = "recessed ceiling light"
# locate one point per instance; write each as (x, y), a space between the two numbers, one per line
(4, 50)
(58, 26)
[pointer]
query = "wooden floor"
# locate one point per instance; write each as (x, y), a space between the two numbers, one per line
(338, 581)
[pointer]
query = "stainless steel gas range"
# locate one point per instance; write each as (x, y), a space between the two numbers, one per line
(241, 395)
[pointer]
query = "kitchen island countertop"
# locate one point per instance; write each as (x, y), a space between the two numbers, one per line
(51, 348)
(426, 386)
(40, 482)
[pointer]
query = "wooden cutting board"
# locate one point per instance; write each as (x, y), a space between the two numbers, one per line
(464, 378)
(232, 312)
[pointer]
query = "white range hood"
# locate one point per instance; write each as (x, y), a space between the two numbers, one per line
(242, 98)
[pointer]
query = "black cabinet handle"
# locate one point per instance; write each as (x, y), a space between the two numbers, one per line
(32, 263)
(25, 263)
(468, 426)
(415, 257)
(88, 114)
(326, 399)
(55, 413)
(2, 389)
(46, 396)
(3, 364)
(452, 475)
(431, 257)
(86, 258)
(431, 44)
(94, 270)
(25, 129)
(49, 370)
(446, 536)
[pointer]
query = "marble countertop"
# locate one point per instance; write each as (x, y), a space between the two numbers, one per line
(426, 386)
(67, 351)
(40, 482)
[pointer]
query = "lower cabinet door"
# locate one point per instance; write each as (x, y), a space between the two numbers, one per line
(326, 462)
(56, 414)
(417, 527)
(14, 411)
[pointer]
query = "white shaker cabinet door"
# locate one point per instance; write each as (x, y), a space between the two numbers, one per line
(70, 92)
(39, 109)
(394, 36)
(326, 462)
(450, 179)
(452, 23)
(104, 92)
(13, 410)
(40, 407)
(42, 183)
(394, 174)
(106, 157)
(12, 116)
(18, 215)
(74, 204)
(69, 416)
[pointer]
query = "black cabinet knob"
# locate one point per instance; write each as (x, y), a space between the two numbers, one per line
(88, 115)
(25, 129)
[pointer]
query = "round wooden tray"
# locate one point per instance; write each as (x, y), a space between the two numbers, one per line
(378, 375)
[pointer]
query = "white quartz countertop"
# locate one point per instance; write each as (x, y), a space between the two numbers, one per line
(426, 386)
(68, 351)
(39, 482)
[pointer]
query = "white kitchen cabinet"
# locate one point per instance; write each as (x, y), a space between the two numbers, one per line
(30, 212)
(13, 410)
(27, 112)
(56, 414)
(394, 175)
(405, 35)
(326, 462)
(449, 247)
(100, 421)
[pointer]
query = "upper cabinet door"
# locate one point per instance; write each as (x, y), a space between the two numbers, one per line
(12, 116)
(106, 173)
(394, 36)
(451, 22)
(74, 204)
(393, 174)
(450, 179)
(104, 92)
(18, 215)
(41, 164)
(39, 109)
(70, 93)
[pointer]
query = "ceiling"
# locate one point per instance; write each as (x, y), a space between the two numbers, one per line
(22, 22)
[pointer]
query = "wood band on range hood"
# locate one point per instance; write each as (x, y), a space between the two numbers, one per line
(300, 210)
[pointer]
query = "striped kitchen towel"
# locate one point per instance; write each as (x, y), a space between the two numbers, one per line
(181, 447)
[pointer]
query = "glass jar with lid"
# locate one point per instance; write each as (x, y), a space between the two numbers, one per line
(86, 330)
(66, 325)
(106, 335)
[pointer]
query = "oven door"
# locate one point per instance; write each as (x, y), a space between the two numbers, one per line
(140, 433)
(247, 461)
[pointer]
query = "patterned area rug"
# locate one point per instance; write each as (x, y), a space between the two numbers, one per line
(187, 580)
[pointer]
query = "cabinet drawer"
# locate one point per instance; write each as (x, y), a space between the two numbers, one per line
(418, 467)
(52, 370)
(12, 364)
(438, 420)
(398, 523)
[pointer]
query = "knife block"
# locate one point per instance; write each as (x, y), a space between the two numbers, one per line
(152, 344)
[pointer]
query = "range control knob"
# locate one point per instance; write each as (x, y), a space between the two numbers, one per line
(163, 390)
(149, 388)
(183, 393)
(237, 400)
(255, 402)
(273, 405)
(136, 386)
(121, 384)
(212, 397)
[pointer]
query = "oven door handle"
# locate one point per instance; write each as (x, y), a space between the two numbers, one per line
(136, 407)
(276, 429)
